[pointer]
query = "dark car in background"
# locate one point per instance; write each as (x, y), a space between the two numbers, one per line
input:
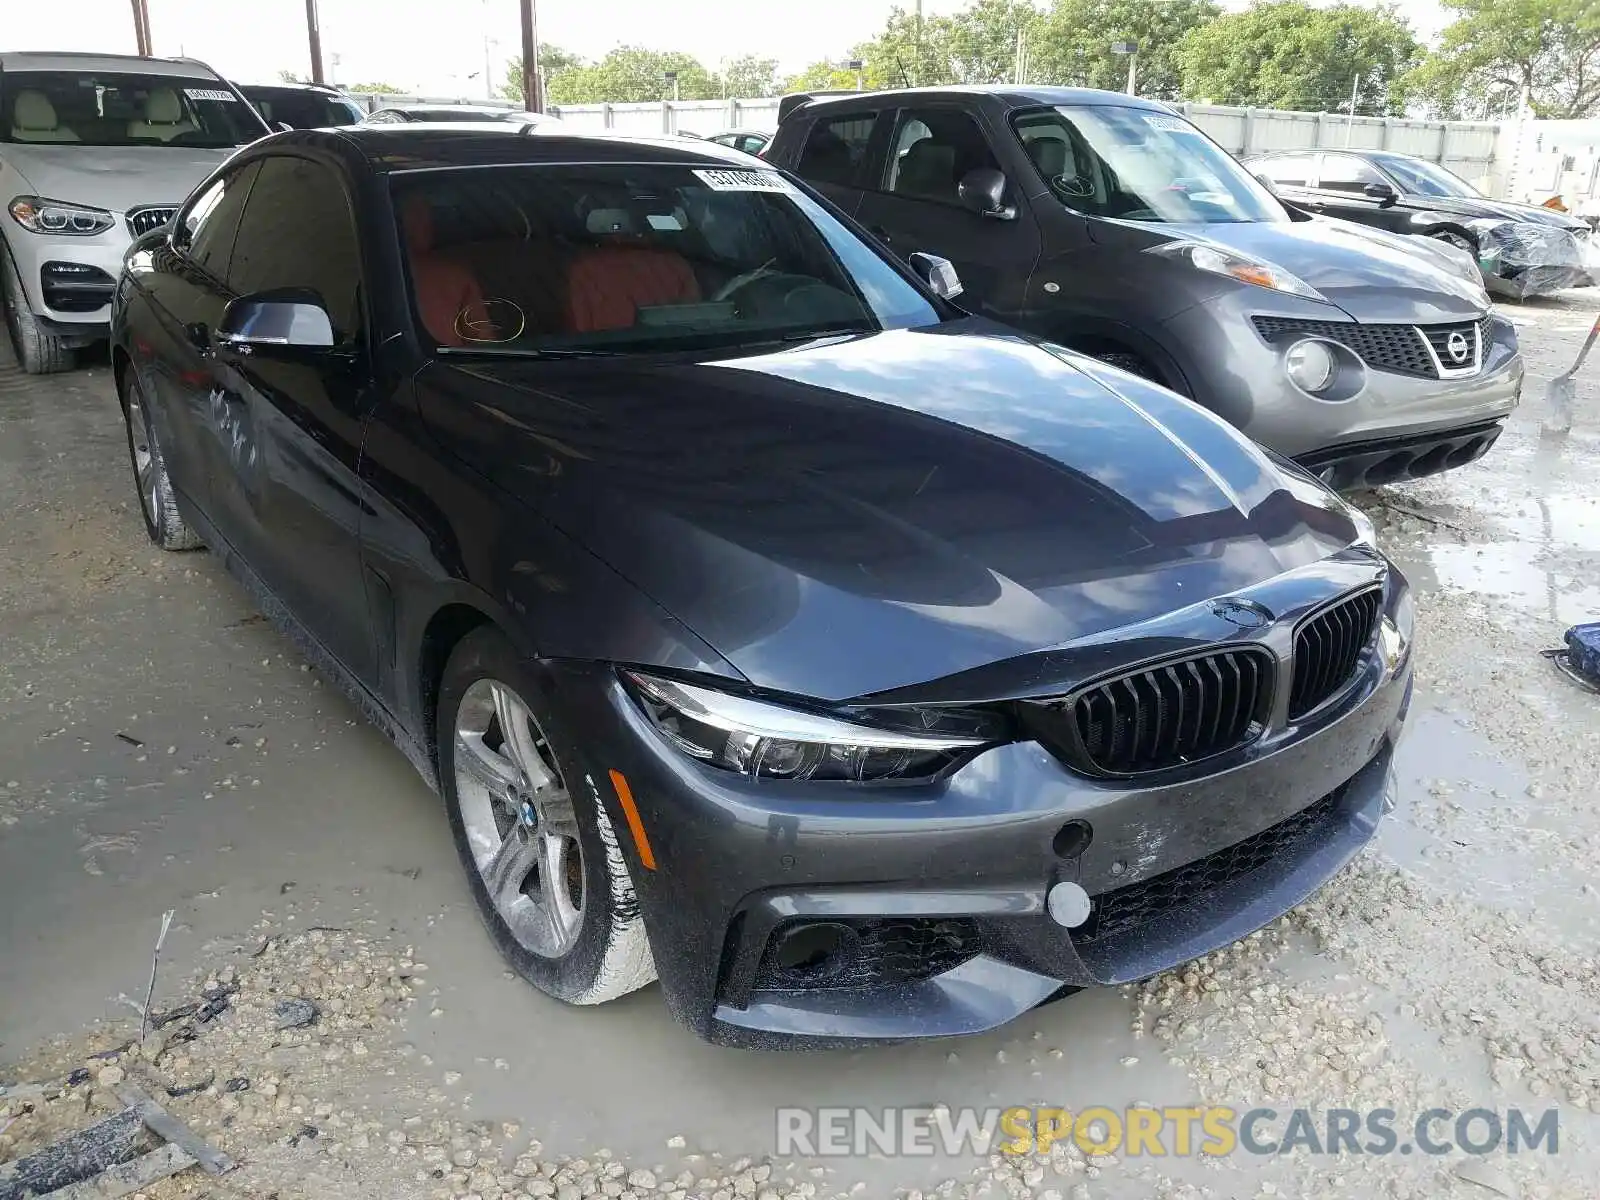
(302, 105)
(455, 114)
(865, 669)
(1113, 226)
(1523, 249)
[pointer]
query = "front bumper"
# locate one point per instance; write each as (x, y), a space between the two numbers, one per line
(70, 301)
(940, 889)
(1241, 377)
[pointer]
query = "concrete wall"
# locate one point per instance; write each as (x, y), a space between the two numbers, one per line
(1466, 147)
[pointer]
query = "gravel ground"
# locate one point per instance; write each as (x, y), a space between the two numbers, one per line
(162, 748)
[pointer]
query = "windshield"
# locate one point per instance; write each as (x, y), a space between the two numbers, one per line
(1425, 178)
(636, 258)
(1139, 165)
(121, 109)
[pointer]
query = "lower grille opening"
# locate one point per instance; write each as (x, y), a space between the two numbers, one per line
(1129, 908)
(864, 952)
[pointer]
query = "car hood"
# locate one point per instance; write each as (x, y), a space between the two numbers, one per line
(1471, 208)
(113, 177)
(1371, 279)
(856, 515)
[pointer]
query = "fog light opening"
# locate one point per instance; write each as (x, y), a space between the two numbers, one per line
(811, 950)
(1072, 839)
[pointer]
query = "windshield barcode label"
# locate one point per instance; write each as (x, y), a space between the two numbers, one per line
(743, 181)
(209, 94)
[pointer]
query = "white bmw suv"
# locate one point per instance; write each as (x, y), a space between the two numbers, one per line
(96, 149)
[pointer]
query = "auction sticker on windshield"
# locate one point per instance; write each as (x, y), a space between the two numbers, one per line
(209, 94)
(744, 181)
(1170, 124)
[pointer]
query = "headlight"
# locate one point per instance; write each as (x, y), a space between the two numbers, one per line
(763, 740)
(1239, 266)
(38, 215)
(1310, 365)
(1394, 634)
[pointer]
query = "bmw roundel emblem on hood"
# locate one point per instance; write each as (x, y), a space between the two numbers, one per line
(1246, 614)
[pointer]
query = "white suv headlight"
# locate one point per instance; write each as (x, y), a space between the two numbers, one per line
(38, 215)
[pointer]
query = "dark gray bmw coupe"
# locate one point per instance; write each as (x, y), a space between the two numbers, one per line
(863, 669)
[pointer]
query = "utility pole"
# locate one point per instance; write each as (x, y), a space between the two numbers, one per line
(1131, 49)
(1350, 125)
(532, 90)
(141, 28)
(314, 35)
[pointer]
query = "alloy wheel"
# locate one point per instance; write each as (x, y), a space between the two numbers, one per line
(519, 819)
(145, 466)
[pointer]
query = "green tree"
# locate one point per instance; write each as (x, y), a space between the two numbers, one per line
(1496, 50)
(1286, 54)
(553, 61)
(630, 74)
(1072, 43)
(749, 76)
(911, 51)
(374, 89)
(983, 40)
(821, 76)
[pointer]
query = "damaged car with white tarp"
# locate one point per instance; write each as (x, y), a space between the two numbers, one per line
(1522, 249)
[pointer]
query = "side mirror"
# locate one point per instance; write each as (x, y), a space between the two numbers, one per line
(1381, 192)
(284, 127)
(275, 319)
(938, 273)
(983, 191)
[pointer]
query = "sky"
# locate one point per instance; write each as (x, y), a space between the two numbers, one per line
(438, 47)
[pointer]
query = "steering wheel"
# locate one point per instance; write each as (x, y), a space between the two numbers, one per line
(739, 282)
(480, 322)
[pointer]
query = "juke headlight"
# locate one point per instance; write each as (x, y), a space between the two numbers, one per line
(761, 739)
(38, 215)
(1243, 267)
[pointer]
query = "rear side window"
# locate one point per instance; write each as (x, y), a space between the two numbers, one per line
(306, 110)
(933, 149)
(298, 232)
(836, 147)
(210, 224)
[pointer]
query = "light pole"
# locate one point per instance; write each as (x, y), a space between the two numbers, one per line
(1131, 49)
(672, 78)
(859, 67)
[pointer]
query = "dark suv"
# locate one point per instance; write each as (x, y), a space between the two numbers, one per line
(1113, 225)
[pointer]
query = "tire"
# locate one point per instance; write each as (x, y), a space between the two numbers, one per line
(40, 353)
(566, 919)
(158, 503)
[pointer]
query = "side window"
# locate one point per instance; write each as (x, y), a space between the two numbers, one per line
(207, 232)
(933, 149)
(298, 232)
(835, 149)
(1342, 173)
(1291, 170)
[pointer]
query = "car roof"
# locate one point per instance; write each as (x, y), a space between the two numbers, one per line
(398, 148)
(1009, 95)
(69, 60)
(321, 89)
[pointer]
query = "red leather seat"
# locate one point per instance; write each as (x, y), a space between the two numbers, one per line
(445, 288)
(609, 283)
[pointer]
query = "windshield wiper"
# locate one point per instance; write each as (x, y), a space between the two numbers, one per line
(526, 352)
(812, 335)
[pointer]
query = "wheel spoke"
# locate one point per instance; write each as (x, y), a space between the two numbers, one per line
(520, 747)
(494, 772)
(553, 864)
(505, 873)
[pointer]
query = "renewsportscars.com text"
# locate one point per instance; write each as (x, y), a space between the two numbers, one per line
(1179, 1131)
